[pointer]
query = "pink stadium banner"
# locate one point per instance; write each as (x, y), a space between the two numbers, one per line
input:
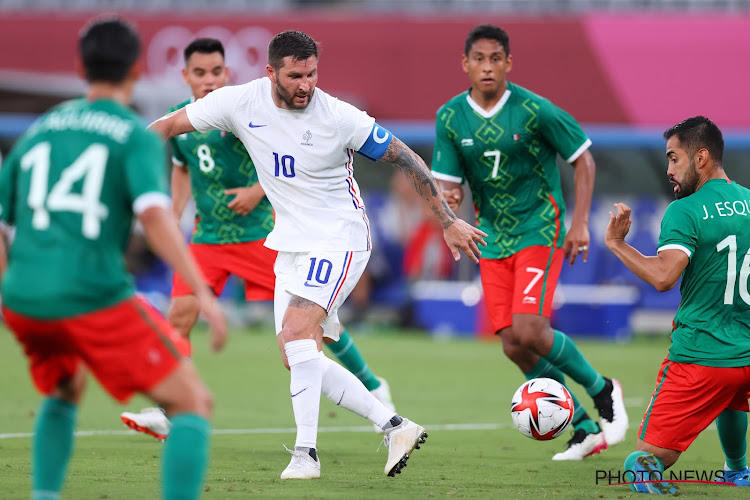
(644, 70)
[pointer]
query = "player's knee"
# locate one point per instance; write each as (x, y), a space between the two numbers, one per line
(529, 333)
(206, 403)
(197, 400)
(72, 389)
(513, 351)
(292, 332)
(204, 399)
(523, 358)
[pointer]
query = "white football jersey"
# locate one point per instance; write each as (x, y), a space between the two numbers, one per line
(304, 160)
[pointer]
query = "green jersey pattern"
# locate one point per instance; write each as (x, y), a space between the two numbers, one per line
(509, 161)
(712, 324)
(217, 161)
(69, 186)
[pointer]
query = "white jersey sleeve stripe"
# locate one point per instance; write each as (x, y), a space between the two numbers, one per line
(151, 199)
(675, 246)
(445, 177)
(342, 279)
(579, 151)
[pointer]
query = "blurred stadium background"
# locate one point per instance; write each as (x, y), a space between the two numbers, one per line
(625, 69)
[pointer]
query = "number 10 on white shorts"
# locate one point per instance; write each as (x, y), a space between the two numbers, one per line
(324, 277)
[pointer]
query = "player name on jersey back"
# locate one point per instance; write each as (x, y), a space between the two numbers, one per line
(99, 122)
(727, 209)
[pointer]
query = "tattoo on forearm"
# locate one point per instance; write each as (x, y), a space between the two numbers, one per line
(415, 169)
(297, 301)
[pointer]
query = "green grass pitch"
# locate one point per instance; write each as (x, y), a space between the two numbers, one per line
(459, 390)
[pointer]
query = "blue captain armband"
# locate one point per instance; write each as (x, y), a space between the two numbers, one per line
(377, 143)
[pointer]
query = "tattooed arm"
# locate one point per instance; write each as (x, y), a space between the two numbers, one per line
(415, 169)
(457, 233)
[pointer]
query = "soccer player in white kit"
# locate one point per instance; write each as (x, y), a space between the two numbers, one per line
(302, 142)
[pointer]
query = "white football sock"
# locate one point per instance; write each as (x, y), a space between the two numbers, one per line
(306, 369)
(346, 390)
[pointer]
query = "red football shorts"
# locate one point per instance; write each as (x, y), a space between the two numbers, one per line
(250, 261)
(688, 398)
(129, 347)
(523, 283)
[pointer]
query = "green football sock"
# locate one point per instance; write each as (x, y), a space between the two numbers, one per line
(545, 369)
(566, 356)
(52, 447)
(732, 426)
(584, 422)
(346, 351)
(185, 457)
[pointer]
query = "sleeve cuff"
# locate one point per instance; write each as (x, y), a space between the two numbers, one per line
(579, 151)
(152, 199)
(674, 246)
(446, 177)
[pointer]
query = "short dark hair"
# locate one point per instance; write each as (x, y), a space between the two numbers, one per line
(696, 133)
(490, 32)
(203, 46)
(291, 43)
(108, 47)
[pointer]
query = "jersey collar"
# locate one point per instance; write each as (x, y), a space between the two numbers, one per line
(497, 107)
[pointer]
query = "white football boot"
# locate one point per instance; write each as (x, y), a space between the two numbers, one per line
(151, 421)
(401, 441)
(383, 394)
(614, 418)
(301, 466)
(583, 444)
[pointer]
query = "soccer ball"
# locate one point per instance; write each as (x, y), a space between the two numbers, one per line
(542, 409)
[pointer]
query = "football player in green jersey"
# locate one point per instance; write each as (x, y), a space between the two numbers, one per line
(232, 221)
(704, 239)
(71, 186)
(503, 140)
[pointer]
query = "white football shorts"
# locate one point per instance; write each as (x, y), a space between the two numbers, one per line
(320, 276)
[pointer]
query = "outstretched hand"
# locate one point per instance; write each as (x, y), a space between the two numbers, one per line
(619, 224)
(462, 236)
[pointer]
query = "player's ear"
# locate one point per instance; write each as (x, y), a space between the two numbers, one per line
(702, 157)
(508, 63)
(465, 63)
(271, 73)
(185, 75)
(136, 70)
(80, 69)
